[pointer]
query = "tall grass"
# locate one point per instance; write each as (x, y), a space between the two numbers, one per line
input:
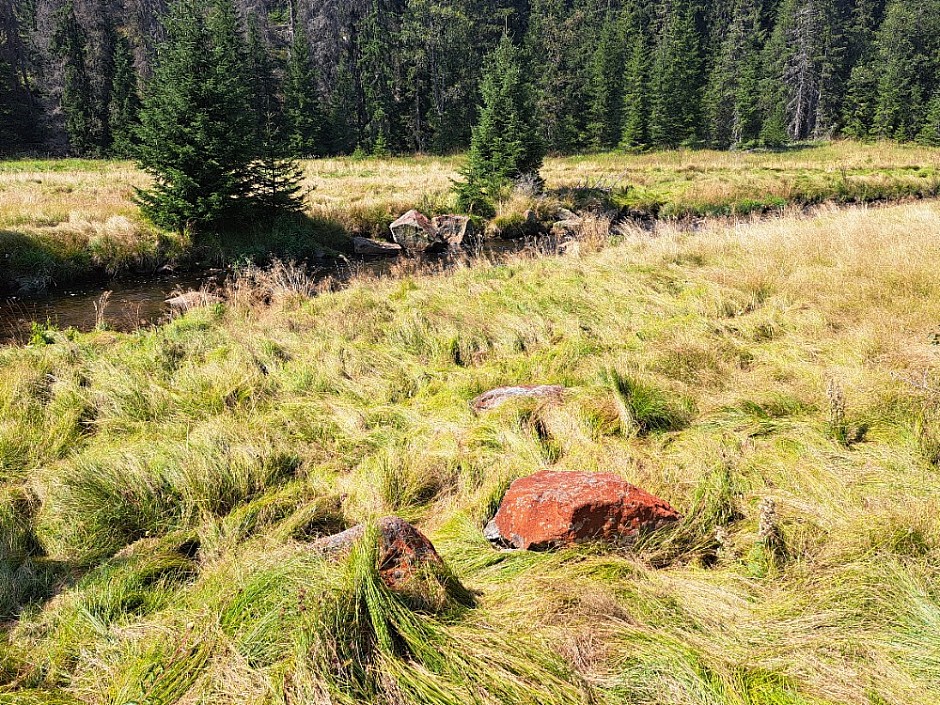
(161, 490)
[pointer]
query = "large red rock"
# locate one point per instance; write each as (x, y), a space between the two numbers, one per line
(554, 509)
(403, 550)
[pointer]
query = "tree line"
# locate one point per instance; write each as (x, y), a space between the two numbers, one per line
(399, 76)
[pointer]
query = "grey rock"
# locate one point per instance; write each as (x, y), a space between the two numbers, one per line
(414, 232)
(365, 246)
(455, 230)
(495, 398)
(192, 299)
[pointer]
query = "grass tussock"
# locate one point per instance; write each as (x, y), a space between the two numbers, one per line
(775, 381)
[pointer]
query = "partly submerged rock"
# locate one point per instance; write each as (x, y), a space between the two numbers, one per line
(567, 228)
(192, 299)
(414, 232)
(554, 509)
(455, 230)
(365, 246)
(403, 550)
(499, 396)
(563, 214)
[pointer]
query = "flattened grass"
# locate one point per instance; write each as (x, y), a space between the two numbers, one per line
(174, 514)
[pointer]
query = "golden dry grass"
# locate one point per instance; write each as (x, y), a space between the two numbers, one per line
(65, 217)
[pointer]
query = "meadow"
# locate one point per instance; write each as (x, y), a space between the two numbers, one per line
(775, 380)
(65, 220)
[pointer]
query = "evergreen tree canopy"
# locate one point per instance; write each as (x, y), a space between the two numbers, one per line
(69, 44)
(676, 83)
(196, 133)
(303, 112)
(398, 76)
(125, 101)
(505, 145)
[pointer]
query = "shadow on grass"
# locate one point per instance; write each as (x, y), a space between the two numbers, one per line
(290, 237)
(32, 263)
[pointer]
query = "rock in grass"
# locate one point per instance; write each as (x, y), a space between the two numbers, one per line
(414, 232)
(403, 550)
(455, 230)
(564, 214)
(365, 246)
(499, 396)
(555, 509)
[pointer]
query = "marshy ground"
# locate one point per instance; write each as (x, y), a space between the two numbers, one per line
(67, 220)
(776, 381)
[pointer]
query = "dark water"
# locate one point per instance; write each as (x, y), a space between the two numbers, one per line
(135, 303)
(132, 303)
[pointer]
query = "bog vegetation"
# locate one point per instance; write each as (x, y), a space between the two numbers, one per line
(774, 381)
(62, 220)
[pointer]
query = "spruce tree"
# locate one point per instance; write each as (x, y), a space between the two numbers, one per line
(732, 101)
(636, 80)
(69, 45)
(196, 134)
(263, 89)
(804, 70)
(861, 91)
(561, 91)
(303, 113)
(505, 145)
(7, 99)
(930, 131)
(275, 178)
(909, 68)
(375, 72)
(676, 81)
(124, 114)
(606, 124)
(102, 41)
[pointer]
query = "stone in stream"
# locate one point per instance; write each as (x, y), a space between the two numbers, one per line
(455, 230)
(403, 550)
(365, 246)
(414, 232)
(566, 228)
(495, 398)
(555, 509)
(563, 214)
(192, 299)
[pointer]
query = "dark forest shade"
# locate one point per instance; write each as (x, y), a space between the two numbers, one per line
(405, 75)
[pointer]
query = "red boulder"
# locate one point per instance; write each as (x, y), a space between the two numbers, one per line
(403, 550)
(553, 509)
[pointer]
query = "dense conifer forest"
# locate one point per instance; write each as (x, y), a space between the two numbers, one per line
(405, 75)
(400, 76)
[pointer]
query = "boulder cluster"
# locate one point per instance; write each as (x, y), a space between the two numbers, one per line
(415, 232)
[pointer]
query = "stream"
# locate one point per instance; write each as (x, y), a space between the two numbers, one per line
(133, 303)
(140, 302)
